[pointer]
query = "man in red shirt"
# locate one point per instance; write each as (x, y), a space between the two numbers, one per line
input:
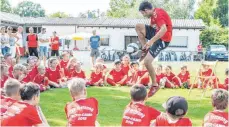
(32, 43)
(159, 34)
(12, 92)
(25, 113)
(219, 116)
(82, 111)
(176, 108)
(137, 113)
(55, 45)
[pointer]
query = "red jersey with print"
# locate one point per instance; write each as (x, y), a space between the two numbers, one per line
(117, 75)
(63, 64)
(144, 81)
(69, 72)
(96, 77)
(21, 114)
(40, 79)
(33, 73)
(55, 46)
(82, 112)
(125, 69)
(159, 77)
(3, 80)
(137, 114)
(184, 77)
(80, 74)
(6, 102)
(170, 76)
(53, 75)
(162, 120)
(27, 79)
(32, 40)
(216, 119)
(159, 18)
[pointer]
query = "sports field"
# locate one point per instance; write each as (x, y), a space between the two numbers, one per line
(112, 100)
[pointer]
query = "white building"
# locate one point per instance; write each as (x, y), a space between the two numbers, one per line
(115, 33)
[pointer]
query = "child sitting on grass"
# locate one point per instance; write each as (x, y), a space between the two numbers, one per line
(96, 78)
(219, 116)
(172, 81)
(136, 112)
(133, 78)
(82, 111)
(70, 68)
(125, 64)
(160, 75)
(53, 74)
(143, 76)
(41, 78)
(184, 76)
(117, 77)
(78, 72)
(176, 108)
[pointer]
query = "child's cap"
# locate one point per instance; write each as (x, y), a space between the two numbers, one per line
(117, 61)
(176, 106)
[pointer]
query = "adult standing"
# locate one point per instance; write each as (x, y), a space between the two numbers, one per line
(19, 43)
(12, 41)
(5, 45)
(159, 34)
(32, 43)
(43, 45)
(94, 43)
(54, 45)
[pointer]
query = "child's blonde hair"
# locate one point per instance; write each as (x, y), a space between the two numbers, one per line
(220, 99)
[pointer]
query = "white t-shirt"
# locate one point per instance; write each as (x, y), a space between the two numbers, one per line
(20, 40)
(44, 37)
(4, 40)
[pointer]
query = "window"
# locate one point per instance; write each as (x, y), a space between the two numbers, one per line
(104, 40)
(131, 39)
(179, 41)
(35, 29)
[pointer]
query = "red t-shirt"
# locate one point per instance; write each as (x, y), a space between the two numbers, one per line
(80, 74)
(3, 80)
(138, 115)
(134, 77)
(159, 18)
(27, 79)
(63, 64)
(185, 77)
(125, 69)
(144, 81)
(117, 75)
(199, 48)
(159, 77)
(39, 79)
(32, 40)
(170, 76)
(55, 46)
(10, 70)
(53, 75)
(216, 119)
(96, 77)
(21, 114)
(6, 102)
(82, 112)
(33, 73)
(68, 72)
(163, 121)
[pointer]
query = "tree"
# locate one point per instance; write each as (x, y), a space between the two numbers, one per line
(214, 35)
(29, 9)
(5, 6)
(205, 12)
(221, 12)
(59, 14)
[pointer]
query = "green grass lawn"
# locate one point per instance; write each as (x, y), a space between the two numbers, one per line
(112, 100)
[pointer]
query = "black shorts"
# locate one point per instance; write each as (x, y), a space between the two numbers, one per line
(157, 46)
(55, 53)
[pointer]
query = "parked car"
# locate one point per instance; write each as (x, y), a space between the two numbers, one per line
(216, 52)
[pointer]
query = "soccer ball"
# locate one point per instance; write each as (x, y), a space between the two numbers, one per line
(132, 49)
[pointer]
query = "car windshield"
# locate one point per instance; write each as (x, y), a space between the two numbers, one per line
(218, 48)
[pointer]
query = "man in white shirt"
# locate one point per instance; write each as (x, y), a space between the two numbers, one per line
(43, 45)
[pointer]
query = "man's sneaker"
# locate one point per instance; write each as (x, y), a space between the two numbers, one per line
(143, 55)
(153, 90)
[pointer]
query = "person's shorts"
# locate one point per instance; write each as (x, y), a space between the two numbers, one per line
(157, 46)
(43, 50)
(94, 53)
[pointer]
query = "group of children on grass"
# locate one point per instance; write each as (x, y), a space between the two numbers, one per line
(124, 73)
(21, 85)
